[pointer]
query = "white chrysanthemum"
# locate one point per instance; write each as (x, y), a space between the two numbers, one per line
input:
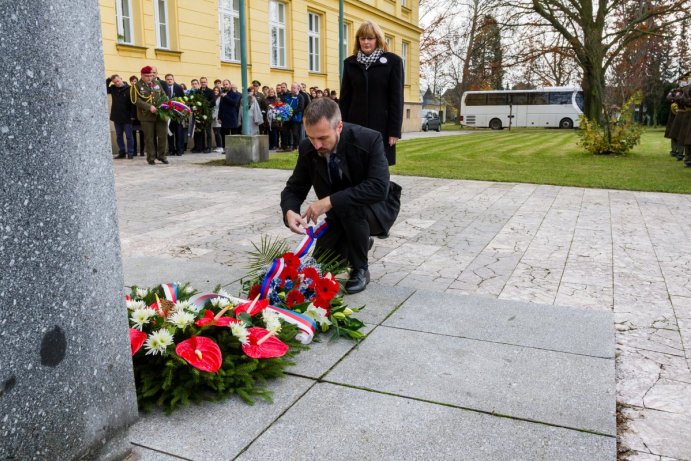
(140, 317)
(224, 294)
(215, 301)
(181, 319)
(141, 292)
(318, 315)
(189, 290)
(182, 306)
(239, 331)
(132, 305)
(223, 303)
(158, 342)
(271, 320)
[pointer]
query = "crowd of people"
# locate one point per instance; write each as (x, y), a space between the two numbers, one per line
(678, 128)
(224, 110)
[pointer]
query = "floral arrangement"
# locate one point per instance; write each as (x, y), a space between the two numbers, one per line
(174, 109)
(191, 346)
(298, 282)
(201, 110)
(279, 112)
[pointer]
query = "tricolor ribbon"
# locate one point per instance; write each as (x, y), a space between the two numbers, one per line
(274, 271)
(170, 290)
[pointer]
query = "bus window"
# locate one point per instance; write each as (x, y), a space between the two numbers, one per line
(519, 98)
(497, 99)
(475, 99)
(560, 98)
(580, 101)
(536, 99)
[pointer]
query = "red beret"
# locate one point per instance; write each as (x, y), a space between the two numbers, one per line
(147, 70)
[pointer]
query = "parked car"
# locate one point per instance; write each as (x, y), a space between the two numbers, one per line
(431, 121)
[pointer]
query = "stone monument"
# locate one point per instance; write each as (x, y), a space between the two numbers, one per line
(66, 382)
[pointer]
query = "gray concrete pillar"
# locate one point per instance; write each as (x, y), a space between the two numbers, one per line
(244, 149)
(66, 383)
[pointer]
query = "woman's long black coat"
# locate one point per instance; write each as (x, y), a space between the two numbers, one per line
(374, 97)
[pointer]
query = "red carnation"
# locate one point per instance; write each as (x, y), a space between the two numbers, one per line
(262, 344)
(208, 319)
(312, 274)
(327, 288)
(200, 352)
(294, 297)
(291, 260)
(325, 304)
(137, 339)
(288, 273)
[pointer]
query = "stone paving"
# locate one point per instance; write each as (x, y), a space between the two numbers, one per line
(613, 253)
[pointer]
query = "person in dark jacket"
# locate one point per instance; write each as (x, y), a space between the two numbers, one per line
(122, 113)
(372, 87)
(290, 132)
(346, 166)
(176, 141)
(229, 113)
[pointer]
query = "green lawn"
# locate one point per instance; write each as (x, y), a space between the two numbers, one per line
(538, 156)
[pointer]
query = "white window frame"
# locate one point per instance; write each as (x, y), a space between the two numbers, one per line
(227, 10)
(276, 51)
(404, 3)
(121, 19)
(162, 39)
(388, 40)
(314, 42)
(404, 56)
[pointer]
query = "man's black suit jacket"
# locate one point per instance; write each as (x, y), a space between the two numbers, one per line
(361, 157)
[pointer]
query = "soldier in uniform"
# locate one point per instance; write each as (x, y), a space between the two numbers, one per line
(146, 94)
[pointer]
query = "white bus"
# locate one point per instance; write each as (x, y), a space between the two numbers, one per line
(546, 107)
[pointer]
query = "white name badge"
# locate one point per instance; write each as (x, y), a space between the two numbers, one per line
(383, 60)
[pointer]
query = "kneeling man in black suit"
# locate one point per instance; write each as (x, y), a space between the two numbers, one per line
(347, 167)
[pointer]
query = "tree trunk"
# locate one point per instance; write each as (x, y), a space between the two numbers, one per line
(593, 85)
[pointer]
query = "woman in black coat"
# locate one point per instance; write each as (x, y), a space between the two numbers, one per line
(372, 87)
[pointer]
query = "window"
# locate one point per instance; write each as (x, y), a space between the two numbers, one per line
(537, 99)
(404, 57)
(404, 3)
(475, 99)
(123, 12)
(560, 98)
(519, 98)
(161, 17)
(346, 34)
(277, 24)
(497, 99)
(388, 40)
(230, 29)
(314, 41)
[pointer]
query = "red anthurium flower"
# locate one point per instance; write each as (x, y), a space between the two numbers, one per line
(208, 319)
(200, 352)
(327, 288)
(259, 306)
(294, 297)
(262, 344)
(291, 260)
(254, 291)
(137, 339)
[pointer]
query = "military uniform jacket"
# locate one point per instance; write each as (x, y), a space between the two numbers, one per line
(360, 154)
(143, 96)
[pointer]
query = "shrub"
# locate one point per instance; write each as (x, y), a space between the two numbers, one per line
(618, 135)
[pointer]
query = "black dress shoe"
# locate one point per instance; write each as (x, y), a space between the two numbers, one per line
(359, 278)
(120, 156)
(164, 161)
(385, 235)
(151, 162)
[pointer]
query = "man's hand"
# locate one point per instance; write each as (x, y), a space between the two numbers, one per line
(392, 140)
(317, 209)
(295, 222)
(153, 109)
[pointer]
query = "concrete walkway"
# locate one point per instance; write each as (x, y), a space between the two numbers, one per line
(501, 300)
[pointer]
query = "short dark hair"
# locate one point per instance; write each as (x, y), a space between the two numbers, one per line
(195, 80)
(322, 108)
(256, 83)
(218, 80)
(169, 75)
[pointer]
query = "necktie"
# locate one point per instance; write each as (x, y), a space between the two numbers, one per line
(170, 91)
(334, 172)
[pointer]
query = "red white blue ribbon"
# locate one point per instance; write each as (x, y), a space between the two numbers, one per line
(170, 290)
(275, 270)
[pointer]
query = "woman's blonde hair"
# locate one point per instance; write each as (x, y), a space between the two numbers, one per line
(369, 29)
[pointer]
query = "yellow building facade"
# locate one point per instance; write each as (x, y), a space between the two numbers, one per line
(288, 40)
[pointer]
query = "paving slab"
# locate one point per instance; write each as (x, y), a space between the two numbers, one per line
(144, 454)
(346, 423)
(379, 301)
(215, 430)
(578, 331)
(553, 387)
